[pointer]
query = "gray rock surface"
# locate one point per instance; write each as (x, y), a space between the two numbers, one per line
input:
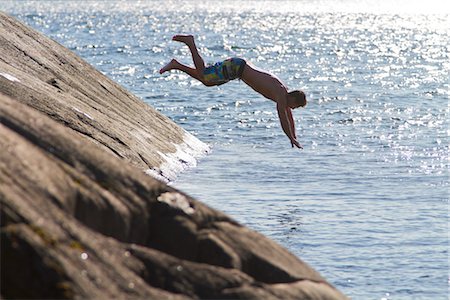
(78, 217)
(41, 73)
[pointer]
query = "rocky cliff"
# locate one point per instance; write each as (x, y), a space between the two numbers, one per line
(80, 219)
(44, 75)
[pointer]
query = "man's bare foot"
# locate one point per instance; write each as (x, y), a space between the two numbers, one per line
(187, 39)
(169, 66)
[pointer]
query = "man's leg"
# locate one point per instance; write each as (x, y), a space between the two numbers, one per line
(198, 60)
(175, 65)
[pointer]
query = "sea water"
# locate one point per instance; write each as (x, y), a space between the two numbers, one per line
(366, 201)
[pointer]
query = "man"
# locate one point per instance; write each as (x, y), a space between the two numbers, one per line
(259, 80)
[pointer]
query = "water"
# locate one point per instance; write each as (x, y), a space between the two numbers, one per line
(366, 201)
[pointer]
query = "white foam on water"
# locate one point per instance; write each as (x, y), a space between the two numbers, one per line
(183, 158)
(9, 77)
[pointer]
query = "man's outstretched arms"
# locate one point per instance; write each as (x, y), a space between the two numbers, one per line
(287, 122)
(292, 123)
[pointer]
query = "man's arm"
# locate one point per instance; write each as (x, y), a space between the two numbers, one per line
(286, 123)
(291, 121)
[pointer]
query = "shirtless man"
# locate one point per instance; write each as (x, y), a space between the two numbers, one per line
(261, 81)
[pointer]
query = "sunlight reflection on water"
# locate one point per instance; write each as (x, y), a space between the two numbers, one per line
(366, 201)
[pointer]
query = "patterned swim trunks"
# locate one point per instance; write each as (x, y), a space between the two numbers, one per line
(224, 71)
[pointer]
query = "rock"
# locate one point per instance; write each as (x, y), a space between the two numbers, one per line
(78, 217)
(41, 73)
(77, 222)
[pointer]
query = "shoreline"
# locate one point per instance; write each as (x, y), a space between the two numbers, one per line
(81, 219)
(186, 156)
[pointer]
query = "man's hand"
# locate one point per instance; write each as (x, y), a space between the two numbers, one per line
(294, 143)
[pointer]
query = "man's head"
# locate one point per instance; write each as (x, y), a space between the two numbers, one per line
(296, 99)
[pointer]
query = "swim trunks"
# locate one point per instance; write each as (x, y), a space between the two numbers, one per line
(224, 71)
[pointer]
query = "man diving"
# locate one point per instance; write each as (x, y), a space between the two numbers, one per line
(259, 80)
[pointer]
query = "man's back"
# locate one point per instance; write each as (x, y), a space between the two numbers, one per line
(264, 83)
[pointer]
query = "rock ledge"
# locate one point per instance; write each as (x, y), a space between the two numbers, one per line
(79, 219)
